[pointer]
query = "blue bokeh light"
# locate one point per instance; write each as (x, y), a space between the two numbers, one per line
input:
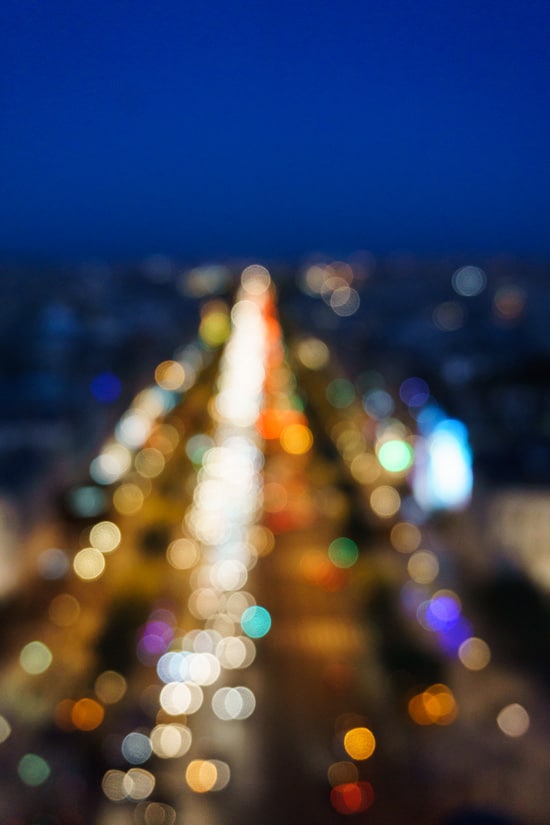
(106, 387)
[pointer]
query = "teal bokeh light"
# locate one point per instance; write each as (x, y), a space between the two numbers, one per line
(340, 393)
(256, 621)
(33, 770)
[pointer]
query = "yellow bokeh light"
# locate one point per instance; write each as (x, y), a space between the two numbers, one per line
(405, 537)
(313, 353)
(5, 729)
(128, 499)
(89, 564)
(138, 783)
(215, 328)
(149, 462)
(359, 743)
(35, 658)
(157, 813)
(434, 706)
(474, 653)
(262, 539)
(182, 553)
(385, 501)
(423, 567)
(64, 610)
(170, 741)
(365, 468)
(165, 438)
(170, 375)
(340, 772)
(255, 279)
(201, 775)
(110, 687)
(315, 277)
(296, 439)
(351, 444)
(105, 536)
(112, 785)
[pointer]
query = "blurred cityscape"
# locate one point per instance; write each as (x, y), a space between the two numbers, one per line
(275, 545)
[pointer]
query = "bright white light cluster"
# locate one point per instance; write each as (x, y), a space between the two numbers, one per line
(219, 551)
(226, 504)
(227, 498)
(242, 368)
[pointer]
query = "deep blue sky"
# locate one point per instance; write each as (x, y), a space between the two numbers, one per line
(270, 129)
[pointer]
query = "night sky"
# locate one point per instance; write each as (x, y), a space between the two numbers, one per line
(210, 130)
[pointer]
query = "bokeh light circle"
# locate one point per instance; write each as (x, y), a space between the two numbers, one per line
(255, 279)
(405, 537)
(352, 797)
(256, 621)
(105, 536)
(87, 714)
(201, 775)
(469, 281)
(340, 773)
(112, 785)
(170, 741)
(64, 610)
(343, 552)
(35, 658)
(89, 564)
(5, 729)
(136, 748)
(233, 703)
(513, 720)
(155, 813)
(296, 439)
(110, 686)
(33, 770)
(474, 653)
(395, 455)
(138, 783)
(359, 743)
(385, 501)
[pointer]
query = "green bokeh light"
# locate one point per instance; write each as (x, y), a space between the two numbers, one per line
(396, 455)
(197, 446)
(33, 770)
(340, 393)
(343, 552)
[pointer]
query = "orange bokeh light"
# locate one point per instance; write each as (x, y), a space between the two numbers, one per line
(317, 569)
(87, 714)
(434, 706)
(359, 743)
(296, 439)
(272, 422)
